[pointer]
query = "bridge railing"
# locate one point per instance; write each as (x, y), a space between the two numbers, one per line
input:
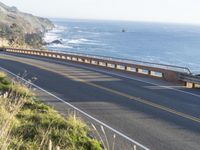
(156, 70)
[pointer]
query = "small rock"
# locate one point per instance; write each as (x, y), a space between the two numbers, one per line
(56, 42)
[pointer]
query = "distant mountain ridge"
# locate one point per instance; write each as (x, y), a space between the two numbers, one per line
(19, 28)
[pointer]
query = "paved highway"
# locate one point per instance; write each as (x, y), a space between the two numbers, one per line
(152, 112)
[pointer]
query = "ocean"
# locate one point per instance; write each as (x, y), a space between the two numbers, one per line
(173, 44)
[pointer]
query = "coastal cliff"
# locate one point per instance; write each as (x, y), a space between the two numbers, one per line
(19, 29)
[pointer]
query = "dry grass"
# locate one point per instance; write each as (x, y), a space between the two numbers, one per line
(2, 75)
(28, 124)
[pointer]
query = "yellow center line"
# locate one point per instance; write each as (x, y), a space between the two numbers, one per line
(141, 100)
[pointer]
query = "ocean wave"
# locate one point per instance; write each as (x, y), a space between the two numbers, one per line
(78, 41)
(58, 29)
(59, 46)
(54, 34)
(49, 37)
(88, 32)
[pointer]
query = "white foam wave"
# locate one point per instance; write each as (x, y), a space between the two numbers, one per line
(78, 41)
(58, 29)
(59, 46)
(54, 34)
(49, 37)
(88, 32)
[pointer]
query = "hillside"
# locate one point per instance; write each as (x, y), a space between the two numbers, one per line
(21, 29)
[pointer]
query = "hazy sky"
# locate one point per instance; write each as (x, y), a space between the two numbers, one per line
(182, 11)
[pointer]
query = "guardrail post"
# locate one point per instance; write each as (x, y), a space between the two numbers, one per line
(149, 72)
(127, 68)
(80, 59)
(115, 66)
(75, 58)
(196, 85)
(87, 61)
(118, 67)
(63, 57)
(106, 64)
(190, 85)
(137, 70)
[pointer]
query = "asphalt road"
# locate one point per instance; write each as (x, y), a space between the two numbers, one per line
(159, 117)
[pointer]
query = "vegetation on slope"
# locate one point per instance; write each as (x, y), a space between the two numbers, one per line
(18, 29)
(28, 124)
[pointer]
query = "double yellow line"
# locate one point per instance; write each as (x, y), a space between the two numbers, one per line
(141, 100)
(195, 119)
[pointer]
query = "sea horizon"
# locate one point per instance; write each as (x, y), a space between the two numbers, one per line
(53, 19)
(167, 43)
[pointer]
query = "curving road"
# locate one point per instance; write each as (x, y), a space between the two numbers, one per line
(160, 115)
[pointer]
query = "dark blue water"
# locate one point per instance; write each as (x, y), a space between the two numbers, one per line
(154, 42)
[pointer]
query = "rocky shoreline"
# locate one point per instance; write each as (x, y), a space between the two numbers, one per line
(19, 29)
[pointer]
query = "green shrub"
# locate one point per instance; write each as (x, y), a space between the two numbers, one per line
(28, 124)
(2, 76)
(4, 88)
(39, 122)
(20, 91)
(6, 81)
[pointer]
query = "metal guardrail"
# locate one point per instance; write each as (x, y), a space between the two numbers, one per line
(166, 72)
(132, 61)
(190, 78)
(122, 60)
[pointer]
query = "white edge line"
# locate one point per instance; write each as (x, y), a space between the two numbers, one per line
(119, 75)
(89, 116)
(165, 87)
(112, 73)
